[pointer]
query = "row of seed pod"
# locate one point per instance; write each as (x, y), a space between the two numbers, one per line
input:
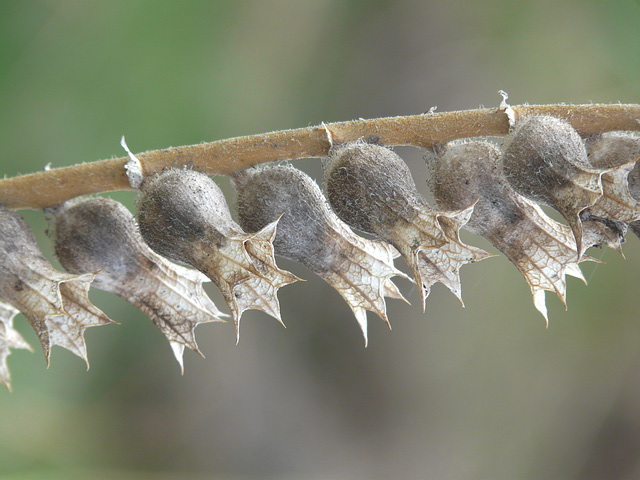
(185, 233)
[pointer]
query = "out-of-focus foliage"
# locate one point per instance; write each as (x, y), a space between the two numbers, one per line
(484, 391)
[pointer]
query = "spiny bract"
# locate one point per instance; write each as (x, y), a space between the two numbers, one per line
(310, 233)
(491, 190)
(371, 189)
(542, 249)
(100, 235)
(183, 216)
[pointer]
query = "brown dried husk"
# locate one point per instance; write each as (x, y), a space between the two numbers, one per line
(542, 249)
(9, 339)
(183, 216)
(55, 303)
(310, 233)
(546, 162)
(371, 189)
(617, 208)
(100, 235)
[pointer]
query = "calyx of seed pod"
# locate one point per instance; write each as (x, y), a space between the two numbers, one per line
(546, 162)
(311, 234)
(371, 189)
(9, 338)
(183, 216)
(633, 180)
(100, 235)
(607, 220)
(55, 303)
(542, 249)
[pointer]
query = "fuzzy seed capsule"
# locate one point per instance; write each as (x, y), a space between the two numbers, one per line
(611, 150)
(546, 162)
(617, 208)
(55, 303)
(311, 234)
(183, 216)
(100, 235)
(543, 250)
(371, 189)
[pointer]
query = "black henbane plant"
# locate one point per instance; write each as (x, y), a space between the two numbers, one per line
(490, 169)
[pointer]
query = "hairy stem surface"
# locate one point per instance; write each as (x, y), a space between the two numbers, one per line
(52, 187)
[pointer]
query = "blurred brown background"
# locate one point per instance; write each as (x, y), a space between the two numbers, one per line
(480, 392)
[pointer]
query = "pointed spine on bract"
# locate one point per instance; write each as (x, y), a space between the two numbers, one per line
(542, 249)
(311, 234)
(371, 189)
(546, 162)
(9, 338)
(55, 303)
(100, 235)
(183, 216)
(610, 216)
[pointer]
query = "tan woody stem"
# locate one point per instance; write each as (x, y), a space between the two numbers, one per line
(52, 187)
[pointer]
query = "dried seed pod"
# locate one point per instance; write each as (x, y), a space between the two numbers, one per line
(9, 338)
(634, 189)
(55, 303)
(310, 233)
(611, 214)
(183, 216)
(633, 181)
(371, 189)
(606, 221)
(546, 161)
(611, 150)
(543, 250)
(100, 235)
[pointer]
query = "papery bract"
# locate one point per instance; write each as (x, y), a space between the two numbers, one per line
(371, 189)
(55, 303)
(546, 162)
(610, 216)
(310, 233)
(9, 338)
(542, 249)
(100, 235)
(183, 216)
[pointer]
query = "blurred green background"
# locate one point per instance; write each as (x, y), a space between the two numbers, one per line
(480, 392)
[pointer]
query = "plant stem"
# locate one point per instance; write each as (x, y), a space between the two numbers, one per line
(52, 187)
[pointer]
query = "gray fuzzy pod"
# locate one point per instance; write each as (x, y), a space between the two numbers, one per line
(370, 187)
(98, 234)
(179, 207)
(469, 172)
(305, 228)
(543, 156)
(613, 149)
(17, 243)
